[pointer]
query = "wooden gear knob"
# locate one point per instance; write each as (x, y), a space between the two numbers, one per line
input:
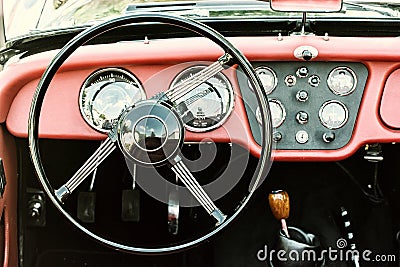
(279, 204)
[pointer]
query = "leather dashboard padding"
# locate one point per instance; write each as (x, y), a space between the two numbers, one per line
(389, 108)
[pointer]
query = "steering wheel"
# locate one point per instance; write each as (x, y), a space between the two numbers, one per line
(163, 146)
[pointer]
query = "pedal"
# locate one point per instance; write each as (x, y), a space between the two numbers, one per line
(130, 205)
(86, 207)
(87, 202)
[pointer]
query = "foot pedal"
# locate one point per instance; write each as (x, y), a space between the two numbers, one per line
(130, 205)
(86, 206)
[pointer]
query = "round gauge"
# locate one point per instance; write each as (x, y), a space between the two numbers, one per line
(333, 114)
(207, 106)
(342, 81)
(278, 113)
(268, 79)
(105, 94)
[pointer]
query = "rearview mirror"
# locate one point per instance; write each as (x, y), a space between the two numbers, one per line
(314, 6)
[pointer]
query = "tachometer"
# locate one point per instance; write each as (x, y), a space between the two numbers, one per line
(208, 105)
(105, 94)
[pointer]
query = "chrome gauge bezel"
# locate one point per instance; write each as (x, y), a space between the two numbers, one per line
(283, 118)
(273, 74)
(230, 103)
(329, 81)
(92, 77)
(327, 125)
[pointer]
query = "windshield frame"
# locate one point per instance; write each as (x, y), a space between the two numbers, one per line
(40, 24)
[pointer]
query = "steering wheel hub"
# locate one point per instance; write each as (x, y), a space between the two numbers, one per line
(150, 133)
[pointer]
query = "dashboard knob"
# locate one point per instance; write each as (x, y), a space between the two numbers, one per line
(35, 206)
(290, 80)
(302, 72)
(307, 55)
(302, 117)
(302, 137)
(328, 137)
(277, 136)
(302, 96)
(314, 80)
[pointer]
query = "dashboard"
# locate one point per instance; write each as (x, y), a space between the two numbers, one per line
(327, 108)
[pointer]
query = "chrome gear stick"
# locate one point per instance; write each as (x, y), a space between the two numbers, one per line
(280, 207)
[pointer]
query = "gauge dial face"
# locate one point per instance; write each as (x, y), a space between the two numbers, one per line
(342, 81)
(278, 113)
(268, 79)
(105, 94)
(333, 114)
(208, 105)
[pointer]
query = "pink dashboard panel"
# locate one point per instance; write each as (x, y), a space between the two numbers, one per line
(389, 108)
(61, 116)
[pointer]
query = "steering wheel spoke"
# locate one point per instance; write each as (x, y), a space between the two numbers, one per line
(184, 174)
(87, 168)
(181, 89)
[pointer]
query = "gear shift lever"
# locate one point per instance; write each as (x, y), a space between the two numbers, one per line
(280, 207)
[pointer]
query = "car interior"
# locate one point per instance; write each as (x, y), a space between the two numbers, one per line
(162, 138)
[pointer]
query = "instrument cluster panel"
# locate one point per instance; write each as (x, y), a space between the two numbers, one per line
(314, 105)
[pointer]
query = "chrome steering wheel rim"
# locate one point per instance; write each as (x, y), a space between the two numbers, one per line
(90, 33)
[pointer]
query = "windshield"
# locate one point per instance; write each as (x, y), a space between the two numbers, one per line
(58, 14)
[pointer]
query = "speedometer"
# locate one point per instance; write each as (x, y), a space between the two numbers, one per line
(105, 94)
(208, 105)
